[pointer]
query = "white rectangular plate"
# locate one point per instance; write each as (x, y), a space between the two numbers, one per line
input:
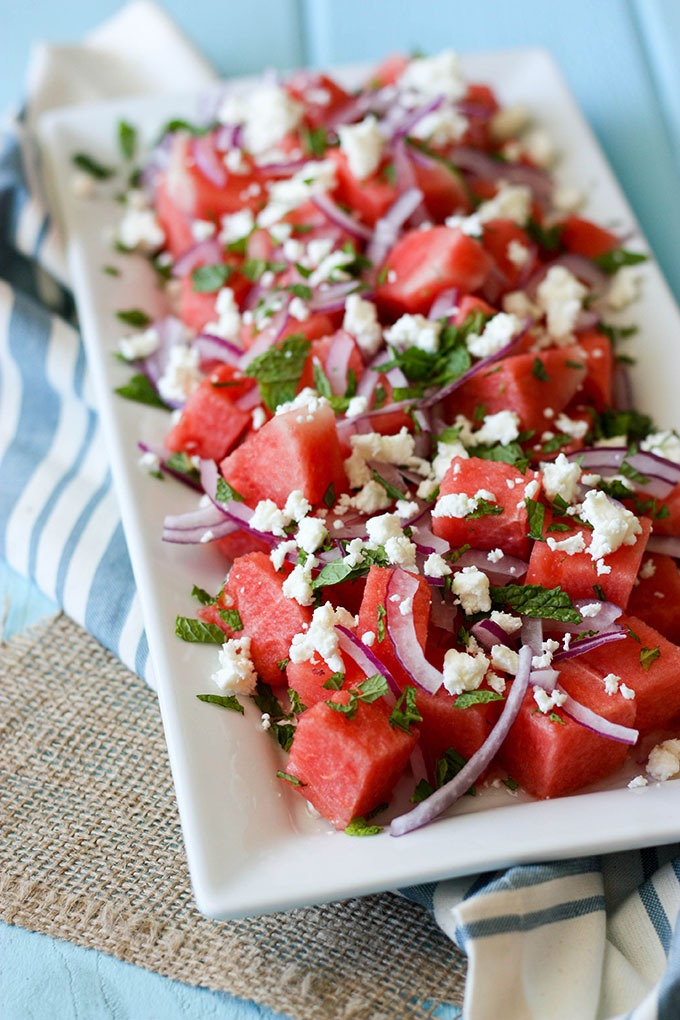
(252, 846)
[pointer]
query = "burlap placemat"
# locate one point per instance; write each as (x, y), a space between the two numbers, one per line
(91, 852)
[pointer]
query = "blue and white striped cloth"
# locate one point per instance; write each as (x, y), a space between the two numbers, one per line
(584, 939)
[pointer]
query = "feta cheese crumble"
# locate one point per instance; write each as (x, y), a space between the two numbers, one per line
(236, 671)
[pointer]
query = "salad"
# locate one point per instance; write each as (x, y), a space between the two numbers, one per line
(396, 369)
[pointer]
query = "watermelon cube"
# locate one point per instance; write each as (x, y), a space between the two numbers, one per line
(650, 665)
(446, 726)
(307, 678)
(285, 455)
(372, 619)
(348, 766)
(268, 616)
(211, 423)
(507, 530)
(550, 755)
(655, 597)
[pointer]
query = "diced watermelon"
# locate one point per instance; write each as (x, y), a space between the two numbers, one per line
(577, 573)
(284, 456)
(501, 238)
(348, 766)
(445, 726)
(308, 679)
(553, 756)
(423, 263)
(654, 678)
(321, 95)
(211, 423)
(655, 597)
(507, 530)
(444, 191)
(372, 618)
(583, 237)
(270, 618)
(369, 198)
(530, 384)
(599, 380)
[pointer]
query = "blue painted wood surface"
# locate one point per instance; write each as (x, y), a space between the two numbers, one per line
(620, 58)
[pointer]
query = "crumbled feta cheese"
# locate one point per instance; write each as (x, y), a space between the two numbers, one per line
(664, 760)
(201, 230)
(647, 570)
(414, 331)
(590, 610)
(548, 702)
(471, 586)
(181, 375)
(441, 127)
(509, 121)
(298, 309)
(322, 637)
(297, 506)
(455, 504)
(470, 225)
(268, 518)
(361, 322)
(139, 345)
(370, 498)
(663, 444)
(395, 449)
(511, 202)
(401, 552)
(237, 672)
(560, 295)
(502, 427)
(286, 195)
(381, 529)
(613, 525)
(279, 553)
(637, 782)
(258, 417)
(356, 407)
(235, 226)
(440, 75)
(332, 268)
(354, 552)
(368, 638)
(498, 331)
(436, 566)
(267, 114)
(504, 658)
(571, 545)
(463, 671)
(624, 288)
(298, 584)
(548, 649)
(561, 478)
(140, 230)
(307, 400)
(626, 692)
(611, 683)
(571, 426)
(539, 147)
(311, 534)
(362, 144)
(495, 555)
(506, 621)
(229, 321)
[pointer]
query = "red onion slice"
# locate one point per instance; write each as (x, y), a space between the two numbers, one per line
(387, 228)
(668, 545)
(337, 361)
(267, 338)
(488, 634)
(340, 218)
(366, 660)
(444, 305)
(589, 644)
(443, 798)
(508, 568)
(483, 363)
(208, 252)
(402, 631)
(207, 161)
(607, 613)
(592, 721)
(216, 348)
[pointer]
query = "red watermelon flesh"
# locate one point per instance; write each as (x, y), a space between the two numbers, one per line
(270, 618)
(372, 618)
(308, 678)
(551, 757)
(211, 423)
(655, 597)
(283, 456)
(445, 726)
(507, 530)
(654, 678)
(348, 766)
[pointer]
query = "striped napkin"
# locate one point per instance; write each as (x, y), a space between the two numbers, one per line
(585, 939)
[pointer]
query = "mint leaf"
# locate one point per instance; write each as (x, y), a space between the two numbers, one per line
(536, 518)
(198, 632)
(182, 464)
(133, 317)
(140, 389)
(405, 712)
(225, 492)
(648, 656)
(536, 601)
(278, 370)
(372, 688)
(335, 682)
(127, 139)
(202, 596)
(611, 261)
(208, 279)
(232, 618)
(538, 371)
(229, 701)
(484, 508)
(483, 697)
(360, 827)
(91, 167)
(293, 780)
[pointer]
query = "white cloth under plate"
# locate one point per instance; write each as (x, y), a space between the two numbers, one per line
(583, 939)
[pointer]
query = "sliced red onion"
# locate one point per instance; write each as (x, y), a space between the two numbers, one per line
(366, 660)
(622, 387)
(171, 332)
(532, 633)
(607, 613)
(337, 361)
(249, 400)
(668, 545)
(427, 542)
(332, 297)
(414, 117)
(215, 348)
(592, 721)
(508, 567)
(545, 678)
(445, 304)
(479, 164)
(488, 633)
(442, 613)
(340, 218)
(402, 631)
(207, 252)
(589, 644)
(199, 536)
(166, 468)
(443, 798)
(387, 228)
(266, 338)
(207, 160)
(662, 475)
(369, 380)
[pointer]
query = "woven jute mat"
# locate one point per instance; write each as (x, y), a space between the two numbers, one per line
(91, 852)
